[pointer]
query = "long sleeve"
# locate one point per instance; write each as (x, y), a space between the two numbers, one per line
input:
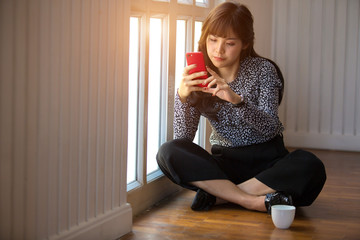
(262, 107)
(186, 119)
(255, 121)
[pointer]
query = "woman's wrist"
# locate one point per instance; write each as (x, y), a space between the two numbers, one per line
(239, 101)
(182, 98)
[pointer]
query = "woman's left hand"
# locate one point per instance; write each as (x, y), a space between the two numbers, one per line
(222, 89)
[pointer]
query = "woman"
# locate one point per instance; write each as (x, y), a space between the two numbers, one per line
(248, 164)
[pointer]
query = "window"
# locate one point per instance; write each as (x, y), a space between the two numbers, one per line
(199, 3)
(155, 103)
(151, 90)
(197, 32)
(180, 50)
(146, 98)
(189, 2)
(133, 98)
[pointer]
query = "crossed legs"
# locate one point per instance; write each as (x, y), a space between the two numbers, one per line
(249, 194)
(180, 159)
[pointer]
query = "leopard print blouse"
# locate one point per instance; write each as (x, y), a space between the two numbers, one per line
(255, 121)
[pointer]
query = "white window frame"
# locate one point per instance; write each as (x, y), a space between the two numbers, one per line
(164, 92)
(139, 180)
(141, 176)
(204, 4)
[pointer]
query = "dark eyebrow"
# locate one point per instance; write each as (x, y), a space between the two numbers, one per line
(234, 38)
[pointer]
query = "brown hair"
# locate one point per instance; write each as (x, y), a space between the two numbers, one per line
(228, 17)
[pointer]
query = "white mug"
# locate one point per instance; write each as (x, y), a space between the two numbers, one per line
(282, 215)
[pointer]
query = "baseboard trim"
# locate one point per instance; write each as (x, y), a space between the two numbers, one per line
(154, 191)
(108, 226)
(322, 141)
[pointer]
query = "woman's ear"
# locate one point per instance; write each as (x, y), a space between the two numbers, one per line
(245, 46)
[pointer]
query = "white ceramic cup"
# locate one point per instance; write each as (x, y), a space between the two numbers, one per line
(282, 215)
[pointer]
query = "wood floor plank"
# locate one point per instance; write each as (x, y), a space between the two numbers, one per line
(334, 215)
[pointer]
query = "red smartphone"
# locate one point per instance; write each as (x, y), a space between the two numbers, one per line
(198, 59)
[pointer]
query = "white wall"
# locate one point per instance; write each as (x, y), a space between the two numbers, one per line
(317, 44)
(262, 14)
(63, 92)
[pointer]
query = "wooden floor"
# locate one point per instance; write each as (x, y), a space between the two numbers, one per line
(334, 215)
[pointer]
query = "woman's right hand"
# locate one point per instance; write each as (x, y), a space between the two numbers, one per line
(188, 84)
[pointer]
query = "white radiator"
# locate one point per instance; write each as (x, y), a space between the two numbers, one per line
(63, 131)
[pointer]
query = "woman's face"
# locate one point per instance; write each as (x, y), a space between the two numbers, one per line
(224, 52)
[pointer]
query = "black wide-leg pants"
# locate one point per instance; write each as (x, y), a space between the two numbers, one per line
(299, 173)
